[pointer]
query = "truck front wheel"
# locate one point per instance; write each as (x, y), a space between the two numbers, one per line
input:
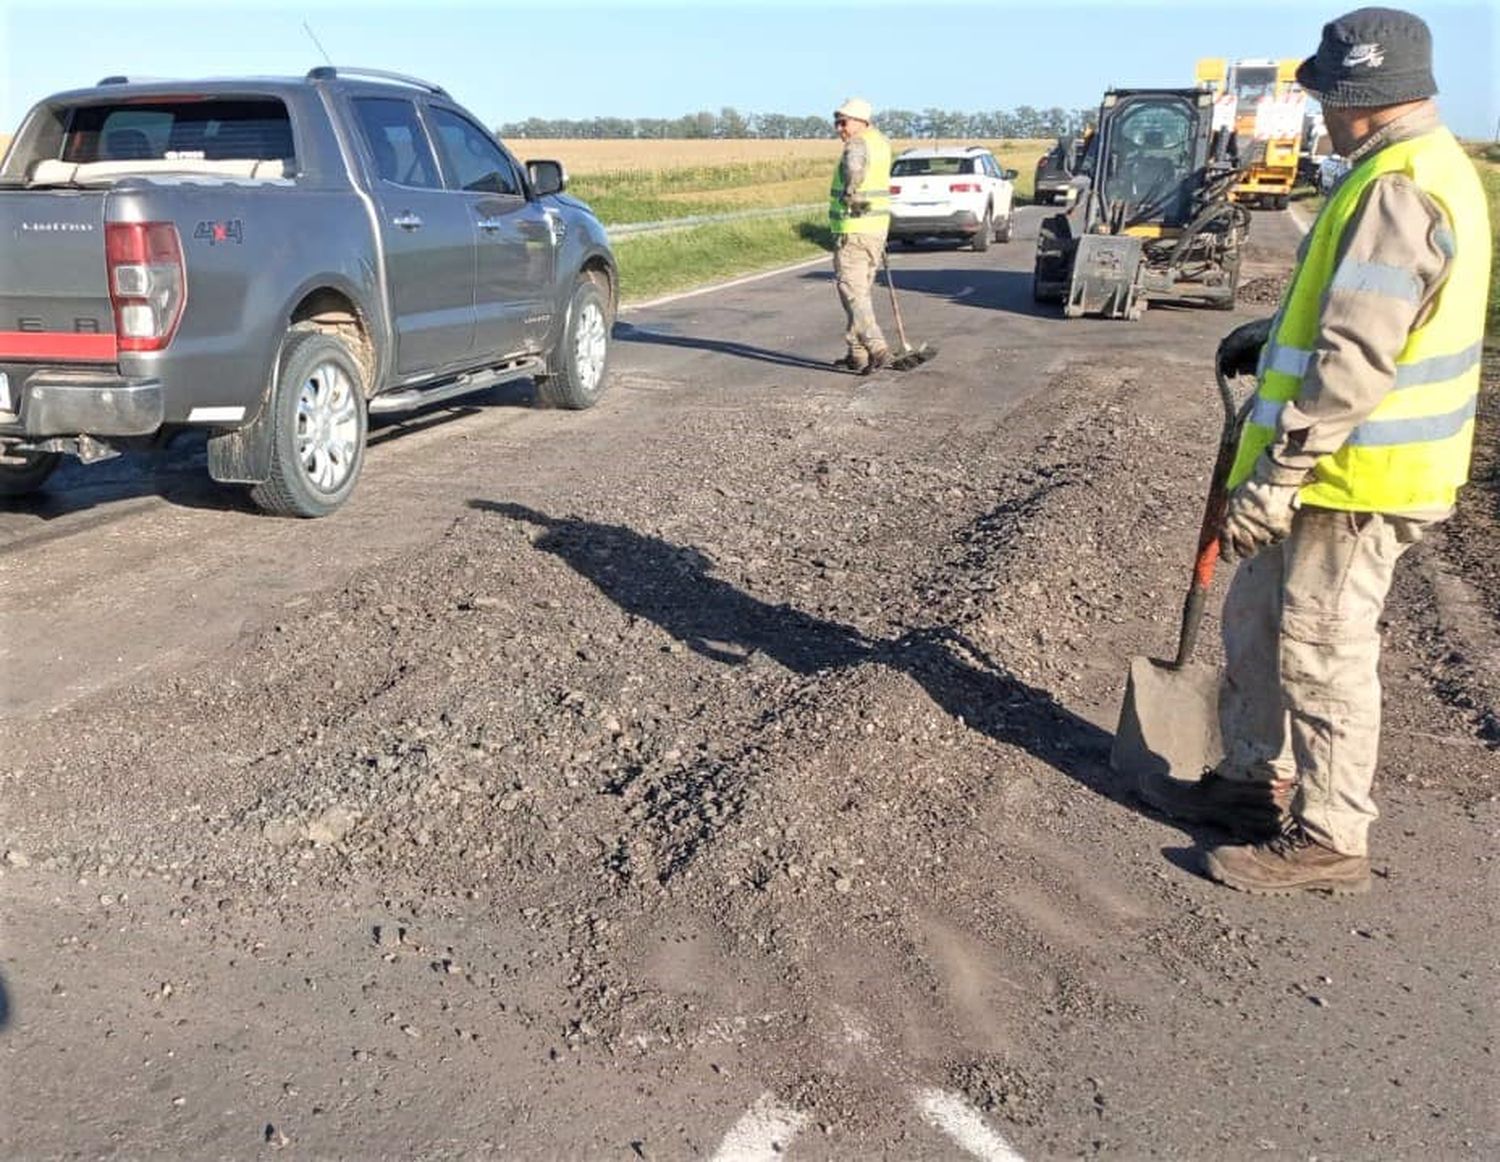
(578, 366)
(318, 428)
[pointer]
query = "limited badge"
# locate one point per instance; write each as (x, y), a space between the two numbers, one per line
(5, 402)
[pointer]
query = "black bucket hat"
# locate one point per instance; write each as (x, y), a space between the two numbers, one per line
(1371, 57)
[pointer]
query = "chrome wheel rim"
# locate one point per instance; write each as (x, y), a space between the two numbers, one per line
(590, 345)
(327, 426)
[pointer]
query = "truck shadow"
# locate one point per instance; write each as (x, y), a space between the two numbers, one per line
(177, 472)
(630, 333)
(672, 587)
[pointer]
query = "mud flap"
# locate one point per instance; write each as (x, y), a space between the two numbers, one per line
(1106, 278)
(242, 455)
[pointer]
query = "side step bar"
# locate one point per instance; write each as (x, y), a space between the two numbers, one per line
(415, 397)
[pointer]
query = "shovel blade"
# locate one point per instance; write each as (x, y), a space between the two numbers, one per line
(1169, 722)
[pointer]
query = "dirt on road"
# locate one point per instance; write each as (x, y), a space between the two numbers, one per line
(757, 765)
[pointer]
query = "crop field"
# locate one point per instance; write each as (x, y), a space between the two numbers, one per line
(636, 181)
(650, 181)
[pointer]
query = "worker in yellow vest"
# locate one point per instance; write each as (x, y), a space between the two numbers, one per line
(1358, 440)
(859, 214)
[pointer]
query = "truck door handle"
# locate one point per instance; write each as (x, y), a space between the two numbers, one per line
(407, 221)
(490, 225)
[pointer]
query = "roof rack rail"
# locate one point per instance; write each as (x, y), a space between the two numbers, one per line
(330, 72)
(115, 79)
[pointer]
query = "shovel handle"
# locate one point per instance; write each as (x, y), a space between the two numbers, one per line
(1208, 532)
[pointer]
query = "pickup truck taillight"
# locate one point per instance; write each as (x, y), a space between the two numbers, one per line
(147, 282)
(895, 190)
(964, 188)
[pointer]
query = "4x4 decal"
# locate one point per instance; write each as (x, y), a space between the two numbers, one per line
(215, 232)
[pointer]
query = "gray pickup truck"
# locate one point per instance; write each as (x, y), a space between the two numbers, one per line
(276, 260)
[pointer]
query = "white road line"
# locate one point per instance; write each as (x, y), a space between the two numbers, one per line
(718, 286)
(1298, 221)
(763, 1134)
(965, 1125)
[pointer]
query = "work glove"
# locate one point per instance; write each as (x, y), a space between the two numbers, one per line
(1239, 351)
(1259, 515)
(855, 204)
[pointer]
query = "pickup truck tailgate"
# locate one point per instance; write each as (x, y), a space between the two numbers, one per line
(54, 290)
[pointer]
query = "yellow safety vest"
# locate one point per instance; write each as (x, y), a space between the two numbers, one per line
(875, 189)
(1411, 454)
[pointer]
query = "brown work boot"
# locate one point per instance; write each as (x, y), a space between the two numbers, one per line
(879, 357)
(1292, 862)
(854, 361)
(1251, 811)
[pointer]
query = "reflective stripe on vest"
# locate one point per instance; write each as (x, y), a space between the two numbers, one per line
(874, 189)
(1412, 452)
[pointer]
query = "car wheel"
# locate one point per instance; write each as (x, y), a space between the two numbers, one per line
(581, 361)
(981, 239)
(1007, 225)
(318, 427)
(22, 472)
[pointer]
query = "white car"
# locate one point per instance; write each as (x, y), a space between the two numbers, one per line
(959, 192)
(1330, 169)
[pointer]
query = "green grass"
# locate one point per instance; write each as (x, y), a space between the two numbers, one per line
(661, 263)
(1489, 174)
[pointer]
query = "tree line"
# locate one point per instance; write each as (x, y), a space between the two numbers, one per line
(1023, 121)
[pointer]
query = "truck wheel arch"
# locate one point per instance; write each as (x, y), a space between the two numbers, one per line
(242, 455)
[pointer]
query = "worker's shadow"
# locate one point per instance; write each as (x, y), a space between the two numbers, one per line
(629, 333)
(671, 586)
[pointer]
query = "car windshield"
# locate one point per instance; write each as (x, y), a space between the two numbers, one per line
(911, 167)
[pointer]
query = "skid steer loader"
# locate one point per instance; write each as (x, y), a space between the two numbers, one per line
(1154, 221)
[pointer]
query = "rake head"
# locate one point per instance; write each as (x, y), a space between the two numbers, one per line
(910, 358)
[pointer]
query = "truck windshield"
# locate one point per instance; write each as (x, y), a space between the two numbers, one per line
(238, 129)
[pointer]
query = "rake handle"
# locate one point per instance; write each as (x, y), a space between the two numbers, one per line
(885, 262)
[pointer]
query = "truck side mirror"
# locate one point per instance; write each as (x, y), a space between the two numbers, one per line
(1009, 174)
(547, 177)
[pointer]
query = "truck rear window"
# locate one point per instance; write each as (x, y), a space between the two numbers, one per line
(242, 129)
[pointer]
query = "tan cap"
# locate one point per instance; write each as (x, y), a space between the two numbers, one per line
(856, 109)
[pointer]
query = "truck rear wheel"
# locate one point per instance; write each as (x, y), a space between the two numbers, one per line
(579, 365)
(22, 473)
(318, 428)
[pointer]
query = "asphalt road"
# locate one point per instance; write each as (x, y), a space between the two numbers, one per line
(130, 564)
(940, 932)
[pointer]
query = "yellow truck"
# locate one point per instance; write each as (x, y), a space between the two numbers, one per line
(1260, 101)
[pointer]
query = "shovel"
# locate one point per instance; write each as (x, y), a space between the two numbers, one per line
(1169, 722)
(907, 357)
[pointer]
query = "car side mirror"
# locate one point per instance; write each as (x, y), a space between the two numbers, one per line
(547, 177)
(1009, 174)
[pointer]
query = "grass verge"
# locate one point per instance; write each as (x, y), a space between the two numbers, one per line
(658, 264)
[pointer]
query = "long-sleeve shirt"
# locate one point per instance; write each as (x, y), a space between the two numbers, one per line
(1392, 260)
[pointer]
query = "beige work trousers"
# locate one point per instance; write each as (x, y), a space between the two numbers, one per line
(1302, 646)
(856, 258)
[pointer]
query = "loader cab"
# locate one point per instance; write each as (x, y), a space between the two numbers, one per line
(1152, 151)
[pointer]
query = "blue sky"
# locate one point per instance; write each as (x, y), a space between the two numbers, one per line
(508, 61)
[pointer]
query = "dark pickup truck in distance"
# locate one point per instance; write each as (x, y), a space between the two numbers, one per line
(276, 260)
